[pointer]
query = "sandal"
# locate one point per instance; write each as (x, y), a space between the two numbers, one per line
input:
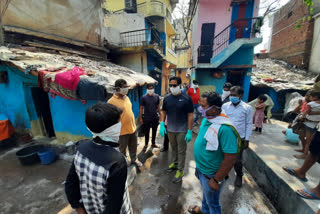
(291, 172)
(194, 210)
(304, 193)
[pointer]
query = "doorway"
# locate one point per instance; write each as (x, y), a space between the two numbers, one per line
(42, 105)
(236, 78)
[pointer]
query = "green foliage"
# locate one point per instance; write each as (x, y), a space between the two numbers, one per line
(309, 4)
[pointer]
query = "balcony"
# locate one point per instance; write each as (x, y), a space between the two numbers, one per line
(152, 8)
(240, 29)
(142, 39)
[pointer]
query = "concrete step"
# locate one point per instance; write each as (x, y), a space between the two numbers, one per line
(264, 160)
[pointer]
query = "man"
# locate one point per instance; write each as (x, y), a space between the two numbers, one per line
(215, 152)
(226, 92)
(194, 93)
(150, 105)
(240, 115)
(128, 136)
(96, 182)
(178, 109)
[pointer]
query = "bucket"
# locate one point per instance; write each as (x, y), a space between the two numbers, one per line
(47, 156)
(28, 155)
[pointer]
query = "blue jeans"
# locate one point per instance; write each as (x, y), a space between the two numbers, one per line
(210, 198)
(196, 106)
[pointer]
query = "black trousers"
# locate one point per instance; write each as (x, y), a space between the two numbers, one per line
(147, 125)
(166, 141)
(239, 165)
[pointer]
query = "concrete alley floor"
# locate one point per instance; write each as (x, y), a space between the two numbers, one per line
(271, 149)
(38, 189)
(35, 189)
(153, 192)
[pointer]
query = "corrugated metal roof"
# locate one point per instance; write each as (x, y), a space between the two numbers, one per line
(32, 62)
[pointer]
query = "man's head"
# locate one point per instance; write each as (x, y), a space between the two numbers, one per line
(227, 86)
(121, 87)
(101, 116)
(175, 85)
(211, 104)
(314, 95)
(150, 89)
(236, 94)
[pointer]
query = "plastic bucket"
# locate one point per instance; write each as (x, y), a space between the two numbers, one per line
(47, 156)
(28, 155)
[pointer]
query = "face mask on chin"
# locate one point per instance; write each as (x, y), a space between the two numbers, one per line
(150, 91)
(175, 90)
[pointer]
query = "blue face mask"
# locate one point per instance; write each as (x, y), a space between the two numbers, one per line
(234, 100)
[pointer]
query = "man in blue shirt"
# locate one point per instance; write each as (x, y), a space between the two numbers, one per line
(178, 109)
(215, 152)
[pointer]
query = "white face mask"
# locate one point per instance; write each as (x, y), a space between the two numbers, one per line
(111, 134)
(124, 91)
(150, 91)
(225, 94)
(175, 90)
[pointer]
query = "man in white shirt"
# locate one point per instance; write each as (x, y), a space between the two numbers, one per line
(240, 113)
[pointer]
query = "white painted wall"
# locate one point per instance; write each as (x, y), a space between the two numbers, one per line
(314, 65)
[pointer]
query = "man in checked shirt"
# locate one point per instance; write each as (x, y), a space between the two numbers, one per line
(96, 183)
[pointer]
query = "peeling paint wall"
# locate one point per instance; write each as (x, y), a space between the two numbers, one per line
(79, 20)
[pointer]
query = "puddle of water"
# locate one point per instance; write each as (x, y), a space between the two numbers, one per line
(151, 211)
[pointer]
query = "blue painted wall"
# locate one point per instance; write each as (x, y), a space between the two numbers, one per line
(205, 77)
(69, 115)
(243, 56)
(152, 63)
(12, 99)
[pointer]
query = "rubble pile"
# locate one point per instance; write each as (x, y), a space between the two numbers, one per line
(279, 75)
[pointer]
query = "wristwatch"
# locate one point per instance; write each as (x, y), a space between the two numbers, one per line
(218, 182)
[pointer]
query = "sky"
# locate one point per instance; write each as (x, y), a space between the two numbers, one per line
(266, 29)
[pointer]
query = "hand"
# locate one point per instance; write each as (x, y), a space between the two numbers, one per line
(163, 130)
(213, 185)
(81, 210)
(188, 137)
(245, 144)
(140, 120)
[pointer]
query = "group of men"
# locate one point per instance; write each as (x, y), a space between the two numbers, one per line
(96, 182)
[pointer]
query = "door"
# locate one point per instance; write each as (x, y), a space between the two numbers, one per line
(236, 78)
(41, 102)
(206, 46)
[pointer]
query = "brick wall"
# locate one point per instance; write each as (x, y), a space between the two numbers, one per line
(288, 43)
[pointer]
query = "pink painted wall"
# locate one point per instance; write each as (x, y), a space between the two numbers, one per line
(218, 11)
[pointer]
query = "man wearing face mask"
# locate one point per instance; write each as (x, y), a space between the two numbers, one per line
(240, 113)
(96, 182)
(215, 152)
(128, 137)
(194, 93)
(150, 105)
(226, 92)
(178, 109)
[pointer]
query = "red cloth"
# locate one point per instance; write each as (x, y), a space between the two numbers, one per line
(194, 96)
(304, 107)
(70, 79)
(6, 129)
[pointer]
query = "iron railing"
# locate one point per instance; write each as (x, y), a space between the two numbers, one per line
(143, 37)
(241, 28)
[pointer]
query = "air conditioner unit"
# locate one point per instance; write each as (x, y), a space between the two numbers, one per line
(130, 6)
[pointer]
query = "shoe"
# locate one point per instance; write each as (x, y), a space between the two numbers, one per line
(238, 181)
(145, 148)
(178, 177)
(172, 167)
(163, 150)
(154, 146)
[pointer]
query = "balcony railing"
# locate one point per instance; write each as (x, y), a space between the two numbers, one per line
(141, 37)
(240, 29)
